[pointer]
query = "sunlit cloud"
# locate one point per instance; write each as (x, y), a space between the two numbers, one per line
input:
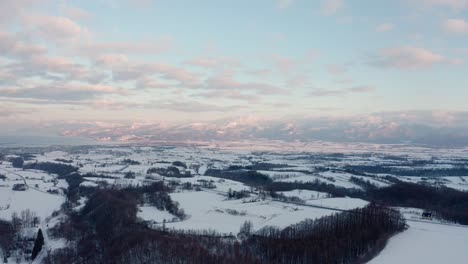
(458, 26)
(330, 7)
(409, 57)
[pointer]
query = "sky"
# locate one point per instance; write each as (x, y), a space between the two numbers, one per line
(198, 61)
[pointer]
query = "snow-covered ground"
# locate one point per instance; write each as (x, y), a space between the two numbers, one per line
(43, 204)
(151, 213)
(305, 194)
(426, 243)
(207, 210)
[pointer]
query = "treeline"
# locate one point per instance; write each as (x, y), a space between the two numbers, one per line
(447, 203)
(351, 237)
(107, 231)
(249, 177)
(50, 167)
(7, 236)
(413, 172)
(170, 171)
(259, 166)
(315, 185)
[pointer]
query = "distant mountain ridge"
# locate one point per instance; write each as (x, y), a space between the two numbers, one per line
(375, 129)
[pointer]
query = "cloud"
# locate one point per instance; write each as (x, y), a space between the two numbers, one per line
(12, 10)
(148, 82)
(59, 91)
(214, 62)
(331, 7)
(409, 57)
(111, 59)
(98, 48)
(74, 12)
(343, 92)
(284, 4)
(453, 4)
(13, 45)
(123, 70)
(227, 82)
(286, 64)
(298, 80)
(458, 26)
(194, 106)
(231, 95)
(13, 111)
(385, 27)
(362, 89)
(336, 69)
(56, 28)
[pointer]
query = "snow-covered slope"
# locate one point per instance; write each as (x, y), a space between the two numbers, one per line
(426, 243)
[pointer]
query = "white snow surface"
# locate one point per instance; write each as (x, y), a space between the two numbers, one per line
(41, 203)
(427, 243)
(151, 213)
(207, 210)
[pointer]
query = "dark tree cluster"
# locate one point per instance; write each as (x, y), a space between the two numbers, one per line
(348, 237)
(179, 164)
(130, 162)
(448, 203)
(64, 160)
(259, 166)
(17, 162)
(249, 177)
(38, 244)
(54, 168)
(315, 185)
(7, 237)
(365, 184)
(389, 169)
(235, 195)
(170, 171)
(130, 175)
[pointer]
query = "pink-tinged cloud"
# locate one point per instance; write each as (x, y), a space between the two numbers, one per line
(148, 82)
(230, 95)
(385, 27)
(298, 80)
(330, 7)
(65, 92)
(284, 4)
(12, 10)
(409, 57)
(74, 12)
(343, 92)
(214, 62)
(97, 48)
(56, 27)
(227, 82)
(458, 26)
(12, 45)
(337, 69)
(111, 59)
(286, 64)
(453, 4)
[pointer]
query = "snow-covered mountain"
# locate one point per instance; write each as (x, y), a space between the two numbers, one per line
(379, 128)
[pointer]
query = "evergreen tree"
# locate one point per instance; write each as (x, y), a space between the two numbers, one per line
(38, 244)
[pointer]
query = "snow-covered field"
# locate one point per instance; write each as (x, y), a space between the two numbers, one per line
(207, 210)
(204, 199)
(43, 204)
(426, 243)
